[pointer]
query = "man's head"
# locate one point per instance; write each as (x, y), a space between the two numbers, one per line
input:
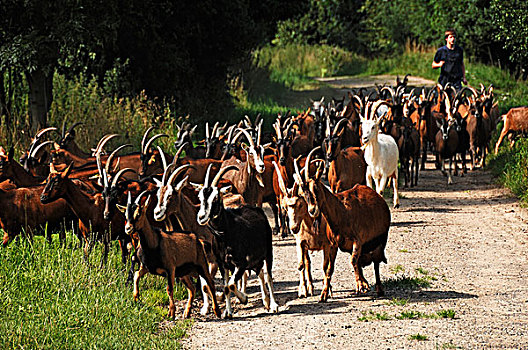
(450, 36)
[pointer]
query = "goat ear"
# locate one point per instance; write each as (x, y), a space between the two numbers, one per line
(158, 182)
(182, 183)
(197, 187)
(147, 203)
(152, 159)
(121, 208)
(56, 146)
(226, 189)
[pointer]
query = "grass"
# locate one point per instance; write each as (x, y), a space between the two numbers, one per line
(418, 336)
(412, 315)
(406, 283)
(373, 316)
(52, 299)
(398, 301)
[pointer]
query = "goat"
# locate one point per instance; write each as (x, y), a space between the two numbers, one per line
(244, 238)
(409, 147)
(22, 210)
(446, 145)
(345, 167)
(89, 209)
(381, 154)
(358, 220)
(309, 235)
(168, 254)
(516, 120)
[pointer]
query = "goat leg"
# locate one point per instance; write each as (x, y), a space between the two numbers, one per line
(137, 276)
(379, 286)
(330, 254)
(170, 293)
(301, 292)
(273, 306)
(190, 289)
(308, 271)
(361, 284)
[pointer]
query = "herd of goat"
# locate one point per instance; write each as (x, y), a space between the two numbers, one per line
(194, 215)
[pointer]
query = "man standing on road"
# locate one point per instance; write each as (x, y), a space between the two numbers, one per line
(450, 59)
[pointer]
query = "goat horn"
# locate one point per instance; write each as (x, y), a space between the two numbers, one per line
(215, 127)
(36, 149)
(178, 171)
(43, 131)
(63, 129)
(110, 159)
(145, 136)
(259, 131)
(153, 138)
(221, 173)
(391, 92)
(141, 195)
(248, 136)
(72, 128)
(104, 175)
(338, 125)
(163, 158)
(119, 174)
(179, 152)
(102, 142)
(297, 176)
(307, 164)
(207, 130)
(357, 98)
(230, 133)
(375, 106)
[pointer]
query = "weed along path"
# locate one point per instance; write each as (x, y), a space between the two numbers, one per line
(456, 277)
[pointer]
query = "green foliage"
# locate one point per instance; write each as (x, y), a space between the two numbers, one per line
(509, 18)
(331, 22)
(52, 299)
(510, 165)
(406, 283)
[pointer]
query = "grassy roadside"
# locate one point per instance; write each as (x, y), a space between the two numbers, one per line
(51, 299)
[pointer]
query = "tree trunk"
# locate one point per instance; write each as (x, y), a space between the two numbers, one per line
(40, 98)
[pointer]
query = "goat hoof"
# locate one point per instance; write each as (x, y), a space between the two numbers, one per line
(204, 310)
(227, 316)
(274, 308)
(396, 206)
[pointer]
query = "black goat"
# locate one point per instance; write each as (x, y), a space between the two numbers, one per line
(244, 241)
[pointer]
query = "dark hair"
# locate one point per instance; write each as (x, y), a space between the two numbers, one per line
(449, 32)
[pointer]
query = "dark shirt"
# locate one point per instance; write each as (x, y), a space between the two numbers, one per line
(452, 68)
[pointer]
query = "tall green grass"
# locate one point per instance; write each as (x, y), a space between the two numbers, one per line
(51, 299)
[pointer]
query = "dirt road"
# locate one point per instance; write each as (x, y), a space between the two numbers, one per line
(459, 251)
(468, 240)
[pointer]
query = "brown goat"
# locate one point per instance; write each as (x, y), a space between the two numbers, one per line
(346, 167)
(309, 235)
(89, 209)
(359, 221)
(22, 210)
(169, 254)
(516, 120)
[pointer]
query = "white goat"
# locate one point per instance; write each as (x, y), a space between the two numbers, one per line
(380, 152)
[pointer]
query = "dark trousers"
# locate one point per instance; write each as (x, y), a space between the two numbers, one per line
(455, 82)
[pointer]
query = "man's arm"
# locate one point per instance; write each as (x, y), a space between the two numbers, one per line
(438, 64)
